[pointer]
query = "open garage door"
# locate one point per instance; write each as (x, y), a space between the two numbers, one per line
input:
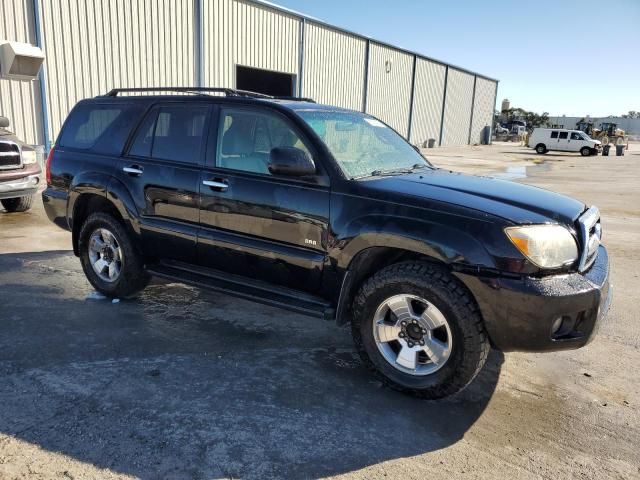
(268, 82)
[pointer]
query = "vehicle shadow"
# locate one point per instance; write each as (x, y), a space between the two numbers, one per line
(182, 383)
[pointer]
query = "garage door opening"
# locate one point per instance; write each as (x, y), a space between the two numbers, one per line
(265, 81)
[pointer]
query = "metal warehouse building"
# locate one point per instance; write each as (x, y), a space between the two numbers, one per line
(92, 46)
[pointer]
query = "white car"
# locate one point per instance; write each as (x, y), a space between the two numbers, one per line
(545, 139)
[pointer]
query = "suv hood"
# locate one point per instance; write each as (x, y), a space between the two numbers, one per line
(515, 202)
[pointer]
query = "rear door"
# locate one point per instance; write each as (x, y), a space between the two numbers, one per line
(161, 170)
(552, 142)
(267, 227)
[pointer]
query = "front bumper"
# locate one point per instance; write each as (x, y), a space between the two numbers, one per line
(20, 187)
(519, 314)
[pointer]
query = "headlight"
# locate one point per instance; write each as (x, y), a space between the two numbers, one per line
(547, 246)
(29, 156)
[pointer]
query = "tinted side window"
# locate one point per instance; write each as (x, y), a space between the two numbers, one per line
(99, 128)
(247, 137)
(554, 134)
(172, 133)
(576, 136)
(141, 146)
(564, 135)
(178, 133)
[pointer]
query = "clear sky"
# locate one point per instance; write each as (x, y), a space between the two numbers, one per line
(564, 57)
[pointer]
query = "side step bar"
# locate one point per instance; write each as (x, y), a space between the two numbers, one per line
(246, 288)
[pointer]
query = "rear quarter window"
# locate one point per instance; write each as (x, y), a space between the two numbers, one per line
(99, 128)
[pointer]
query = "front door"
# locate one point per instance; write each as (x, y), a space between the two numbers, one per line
(162, 172)
(576, 142)
(267, 227)
(563, 141)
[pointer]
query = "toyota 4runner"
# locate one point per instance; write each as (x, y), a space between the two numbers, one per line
(19, 171)
(331, 213)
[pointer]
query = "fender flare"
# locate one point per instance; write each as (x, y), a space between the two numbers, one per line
(107, 187)
(439, 243)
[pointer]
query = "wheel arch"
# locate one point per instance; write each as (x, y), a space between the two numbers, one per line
(107, 195)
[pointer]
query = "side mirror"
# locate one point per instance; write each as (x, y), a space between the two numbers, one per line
(290, 161)
(4, 122)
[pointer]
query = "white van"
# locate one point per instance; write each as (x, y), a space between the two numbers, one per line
(545, 139)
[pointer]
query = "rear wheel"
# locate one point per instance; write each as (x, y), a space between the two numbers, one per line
(18, 204)
(541, 148)
(109, 258)
(419, 330)
(585, 151)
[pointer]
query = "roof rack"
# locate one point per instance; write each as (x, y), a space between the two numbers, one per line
(229, 92)
(196, 90)
(294, 99)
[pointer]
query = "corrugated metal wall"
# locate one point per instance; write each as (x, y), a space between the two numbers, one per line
(484, 102)
(242, 33)
(427, 101)
(457, 111)
(333, 67)
(20, 100)
(389, 89)
(94, 46)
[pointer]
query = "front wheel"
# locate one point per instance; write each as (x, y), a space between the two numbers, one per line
(419, 330)
(109, 258)
(18, 204)
(585, 151)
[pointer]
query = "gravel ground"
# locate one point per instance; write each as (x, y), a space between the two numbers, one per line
(186, 384)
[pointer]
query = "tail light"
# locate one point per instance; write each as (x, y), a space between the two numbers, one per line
(48, 166)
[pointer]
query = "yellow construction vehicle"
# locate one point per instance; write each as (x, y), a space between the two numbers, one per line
(607, 132)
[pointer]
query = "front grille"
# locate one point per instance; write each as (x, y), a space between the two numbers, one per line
(9, 156)
(590, 232)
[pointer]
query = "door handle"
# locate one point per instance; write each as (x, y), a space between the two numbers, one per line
(134, 170)
(216, 185)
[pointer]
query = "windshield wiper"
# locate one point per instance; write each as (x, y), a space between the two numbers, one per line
(397, 171)
(392, 171)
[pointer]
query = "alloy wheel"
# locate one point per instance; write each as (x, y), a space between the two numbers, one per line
(105, 255)
(412, 334)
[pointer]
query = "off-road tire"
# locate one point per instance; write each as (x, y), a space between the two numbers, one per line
(541, 148)
(470, 343)
(585, 151)
(133, 277)
(18, 204)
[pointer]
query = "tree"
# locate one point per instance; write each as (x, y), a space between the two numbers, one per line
(631, 114)
(533, 119)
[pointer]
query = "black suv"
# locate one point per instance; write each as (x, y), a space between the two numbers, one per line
(331, 213)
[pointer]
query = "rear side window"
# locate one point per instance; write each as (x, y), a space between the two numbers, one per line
(554, 134)
(99, 128)
(172, 132)
(564, 135)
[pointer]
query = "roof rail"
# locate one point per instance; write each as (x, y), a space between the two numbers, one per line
(230, 92)
(294, 99)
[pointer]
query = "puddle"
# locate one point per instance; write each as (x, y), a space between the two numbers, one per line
(521, 171)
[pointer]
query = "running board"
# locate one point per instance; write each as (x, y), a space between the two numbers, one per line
(246, 288)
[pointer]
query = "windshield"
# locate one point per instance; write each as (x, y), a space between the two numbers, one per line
(362, 145)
